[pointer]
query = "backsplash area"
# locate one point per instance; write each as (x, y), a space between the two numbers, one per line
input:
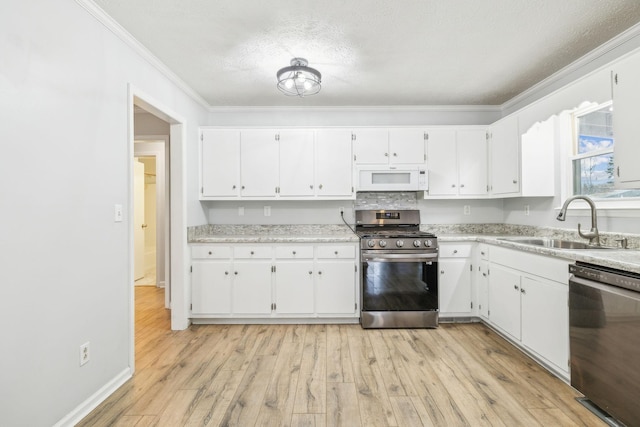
(386, 200)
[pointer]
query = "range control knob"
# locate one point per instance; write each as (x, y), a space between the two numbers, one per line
(371, 243)
(400, 243)
(428, 243)
(416, 243)
(383, 243)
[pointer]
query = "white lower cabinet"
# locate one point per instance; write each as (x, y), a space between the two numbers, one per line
(454, 280)
(268, 281)
(528, 301)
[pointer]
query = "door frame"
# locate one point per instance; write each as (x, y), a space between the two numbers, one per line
(177, 237)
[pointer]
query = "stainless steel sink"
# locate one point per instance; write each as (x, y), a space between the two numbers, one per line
(551, 243)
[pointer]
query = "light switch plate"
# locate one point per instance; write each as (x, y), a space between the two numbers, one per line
(117, 213)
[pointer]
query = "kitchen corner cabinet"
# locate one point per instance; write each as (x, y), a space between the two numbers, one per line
(505, 157)
(454, 280)
(626, 126)
(528, 301)
(457, 162)
(401, 146)
(265, 282)
(481, 295)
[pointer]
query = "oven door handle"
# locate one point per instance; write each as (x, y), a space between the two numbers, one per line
(426, 258)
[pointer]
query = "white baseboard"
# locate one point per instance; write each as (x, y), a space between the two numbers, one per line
(82, 410)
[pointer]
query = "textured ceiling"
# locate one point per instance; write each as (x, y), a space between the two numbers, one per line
(371, 52)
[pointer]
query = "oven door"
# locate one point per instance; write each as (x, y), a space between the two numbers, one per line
(399, 282)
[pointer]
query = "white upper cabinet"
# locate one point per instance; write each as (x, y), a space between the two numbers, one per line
(371, 146)
(538, 159)
(472, 162)
(401, 146)
(261, 164)
(296, 163)
(626, 123)
(505, 157)
(457, 162)
(220, 163)
(334, 164)
(259, 158)
(407, 146)
(442, 160)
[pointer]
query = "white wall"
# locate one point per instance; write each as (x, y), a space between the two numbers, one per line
(65, 162)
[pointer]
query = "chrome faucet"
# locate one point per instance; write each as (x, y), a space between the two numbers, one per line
(592, 235)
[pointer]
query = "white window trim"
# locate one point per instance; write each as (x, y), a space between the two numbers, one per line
(619, 208)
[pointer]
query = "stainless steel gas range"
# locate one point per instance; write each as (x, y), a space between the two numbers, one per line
(399, 265)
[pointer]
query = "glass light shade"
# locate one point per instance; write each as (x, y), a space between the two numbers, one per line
(298, 79)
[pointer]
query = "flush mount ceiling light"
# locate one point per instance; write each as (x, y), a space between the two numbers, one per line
(298, 79)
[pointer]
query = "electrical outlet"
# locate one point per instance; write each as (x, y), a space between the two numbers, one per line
(241, 211)
(267, 211)
(526, 210)
(341, 210)
(85, 353)
(467, 209)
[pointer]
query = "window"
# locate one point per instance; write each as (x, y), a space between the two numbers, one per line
(592, 159)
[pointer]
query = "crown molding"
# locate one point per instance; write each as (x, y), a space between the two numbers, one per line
(355, 108)
(119, 31)
(616, 42)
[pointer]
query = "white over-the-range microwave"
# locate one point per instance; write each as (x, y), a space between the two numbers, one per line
(392, 178)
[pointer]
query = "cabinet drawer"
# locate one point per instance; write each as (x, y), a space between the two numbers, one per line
(257, 252)
(457, 250)
(342, 252)
(294, 252)
(211, 251)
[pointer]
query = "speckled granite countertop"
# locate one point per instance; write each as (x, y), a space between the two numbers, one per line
(316, 233)
(628, 259)
(623, 259)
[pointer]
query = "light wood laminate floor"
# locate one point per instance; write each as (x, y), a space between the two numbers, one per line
(330, 375)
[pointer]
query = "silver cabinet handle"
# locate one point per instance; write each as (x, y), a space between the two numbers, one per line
(461, 185)
(233, 188)
(235, 272)
(336, 252)
(320, 272)
(294, 252)
(310, 272)
(395, 155)
(523, 291)
(251, 252)
(311, 187)
(453, 186)
(441, 271)
(242, 188)
(455, 251)
(386, 154)
(226, 273)
(516, 287)
(515, 181)
(209, 252)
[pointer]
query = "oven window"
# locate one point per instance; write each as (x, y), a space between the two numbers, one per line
(399, 286)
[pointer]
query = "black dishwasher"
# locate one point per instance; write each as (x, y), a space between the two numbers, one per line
(604, 332)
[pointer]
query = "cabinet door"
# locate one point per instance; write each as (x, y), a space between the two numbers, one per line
(505, 156)
(407, 146)
(504, 299)
(626, 126)
(296, 163)
(483, 290)
(454, 285)
(211, 287)
(335, 287)
(538, 159)
(294, 287)
(371, 146)
(220, 163)
(472, 162)
(259, 160)
(442, 161)
(545, 319)
(334, 164)
(251, 287)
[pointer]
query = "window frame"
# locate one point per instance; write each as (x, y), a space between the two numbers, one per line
(622, 207)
